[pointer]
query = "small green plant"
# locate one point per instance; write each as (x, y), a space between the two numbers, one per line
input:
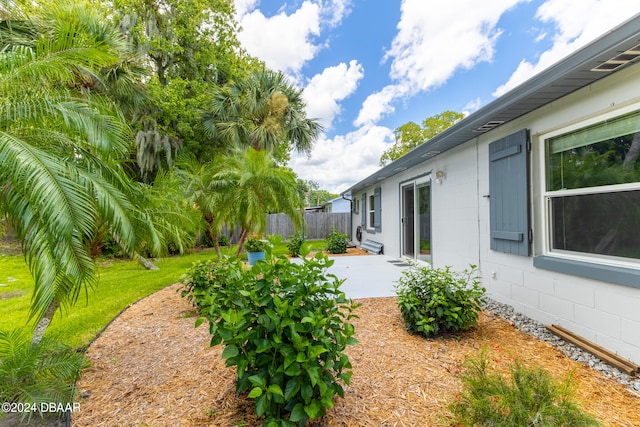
(197, 281)
(284, 326)
(525, 397)
(254, 245)
(337, 242)
(295, 243)
(223, 240)
(31, 374)
(435, 300)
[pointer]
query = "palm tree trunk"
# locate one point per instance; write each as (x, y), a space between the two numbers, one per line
(44, 322)
(145, 262)
(243, 236)
(216, 246)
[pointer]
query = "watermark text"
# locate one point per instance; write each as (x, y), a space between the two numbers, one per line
(41, 407)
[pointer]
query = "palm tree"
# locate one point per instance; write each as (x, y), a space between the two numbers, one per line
(60, 146)
(265, 112)
(203, 193)
(249, 186)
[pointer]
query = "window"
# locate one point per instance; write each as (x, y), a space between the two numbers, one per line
(592, 191)
(372, 211)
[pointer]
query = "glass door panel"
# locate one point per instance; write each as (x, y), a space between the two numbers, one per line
(408, 221)
(423, 220)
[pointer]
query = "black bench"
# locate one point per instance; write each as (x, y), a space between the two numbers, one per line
(375, 248)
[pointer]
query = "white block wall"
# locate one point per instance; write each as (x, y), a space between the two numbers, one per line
(605, 313)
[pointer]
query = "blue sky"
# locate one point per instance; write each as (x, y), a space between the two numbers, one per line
(369, 66)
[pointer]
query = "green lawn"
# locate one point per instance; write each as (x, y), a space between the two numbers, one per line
(121, 283)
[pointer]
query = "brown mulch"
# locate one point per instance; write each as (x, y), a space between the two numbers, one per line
(350, 252)
(151, 367)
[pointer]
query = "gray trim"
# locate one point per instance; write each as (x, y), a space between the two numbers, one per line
(509, 218)
(415, 178)
(377, 211)
(605, 273)
(363, 218)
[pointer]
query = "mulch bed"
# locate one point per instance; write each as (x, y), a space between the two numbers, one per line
(151, 367)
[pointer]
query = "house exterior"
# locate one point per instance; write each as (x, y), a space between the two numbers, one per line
(540, 189)
(337, 205)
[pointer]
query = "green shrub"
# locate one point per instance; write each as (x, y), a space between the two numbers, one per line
(526, 397)
(254, 245)
(337, 242)
(284, 326)
(434, 300)
(223, 240)
(295, 243)
(111, 248)
(35, 374)
(201, 277)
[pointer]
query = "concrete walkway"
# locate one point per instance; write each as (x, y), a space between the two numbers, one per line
(368, 276)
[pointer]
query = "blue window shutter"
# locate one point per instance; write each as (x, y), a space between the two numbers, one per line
(509, 194)
(363, 210)
(377, 219)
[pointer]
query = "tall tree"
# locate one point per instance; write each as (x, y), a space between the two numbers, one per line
(410, 135)
(265, 112)
(312, 194)
(250, 185)
(189, 46)
(60, 145)
(204, 193)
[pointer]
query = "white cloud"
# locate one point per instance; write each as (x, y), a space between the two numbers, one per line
(244, 6)
(335, 10)
(472, 106)
(338, 163)
(432, 42)
(378, 104)
(326, 89)
(287, 42)
(576, 27)
(284, 42)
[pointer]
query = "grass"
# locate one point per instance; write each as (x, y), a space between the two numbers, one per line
(120, 284)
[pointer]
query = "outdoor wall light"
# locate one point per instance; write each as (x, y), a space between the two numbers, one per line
(439, 177)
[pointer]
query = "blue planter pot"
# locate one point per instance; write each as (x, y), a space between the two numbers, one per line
(255, 257)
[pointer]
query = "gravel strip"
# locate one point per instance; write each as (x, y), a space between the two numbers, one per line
(538, 330)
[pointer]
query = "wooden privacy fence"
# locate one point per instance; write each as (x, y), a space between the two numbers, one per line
(318, 225)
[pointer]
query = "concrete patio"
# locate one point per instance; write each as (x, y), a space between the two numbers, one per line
(368, 276)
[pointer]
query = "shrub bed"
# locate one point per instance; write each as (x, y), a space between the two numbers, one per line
(284, 326)
(437, 300)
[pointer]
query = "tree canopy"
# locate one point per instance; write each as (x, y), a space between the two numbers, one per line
(264, 111)
(188, 47)
(410, 135)
(60, 145)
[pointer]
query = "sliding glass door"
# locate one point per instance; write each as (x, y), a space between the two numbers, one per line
(416, 220)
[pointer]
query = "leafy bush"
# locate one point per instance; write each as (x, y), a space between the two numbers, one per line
(295, 243)
(36, 373)
(284, 326)
(433, 301)
(201, 277)
(337, 242)
(223, 240)
(526, 397)
(254, 245)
